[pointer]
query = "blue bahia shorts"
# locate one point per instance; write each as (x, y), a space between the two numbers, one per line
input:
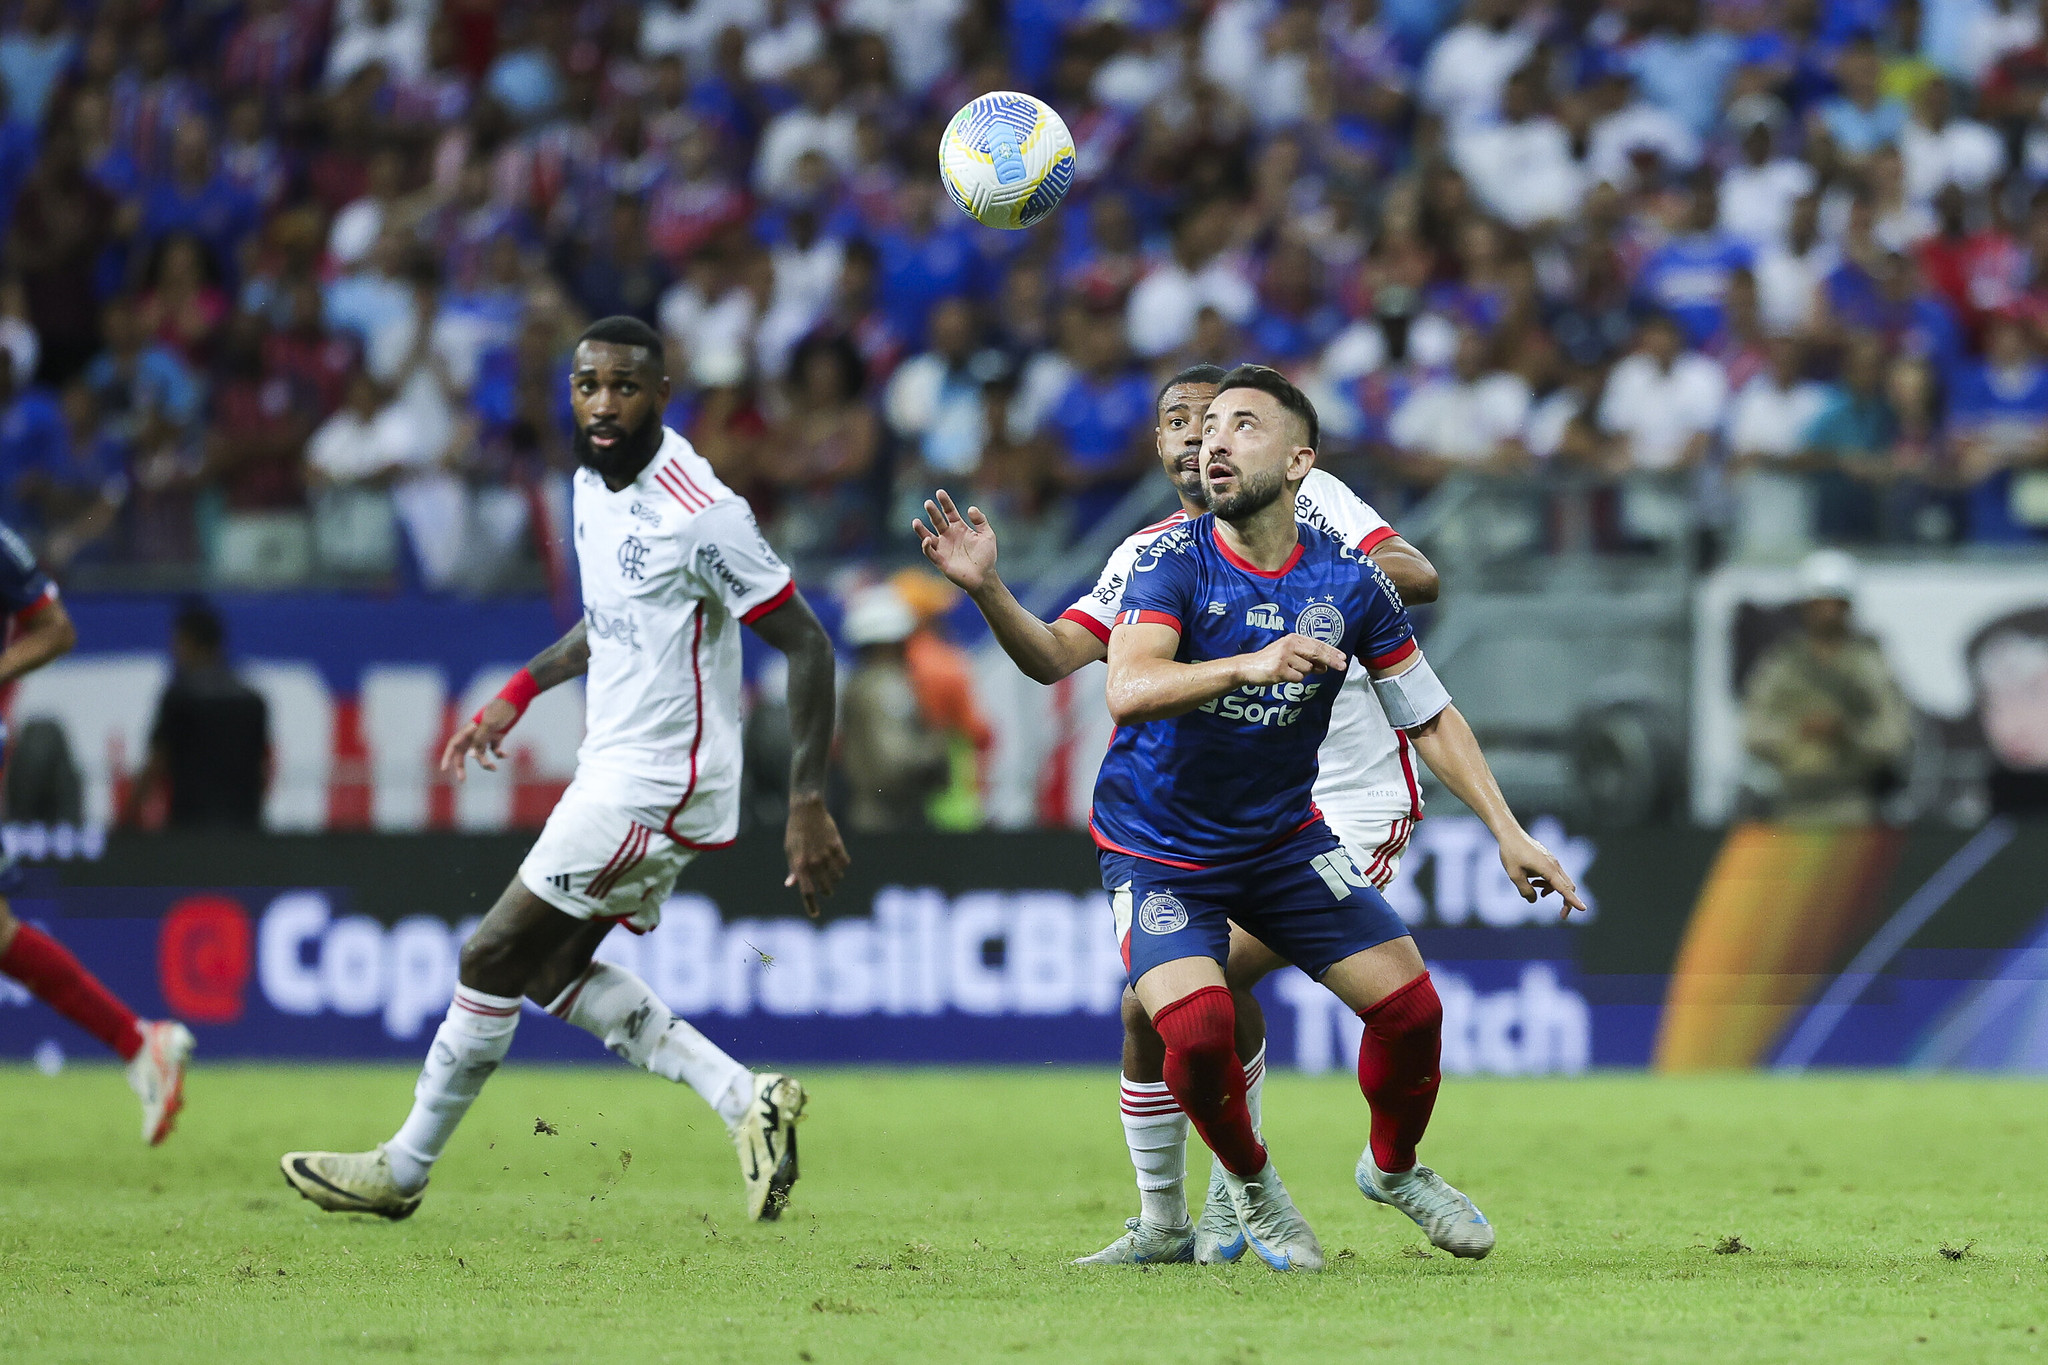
(1305, 898)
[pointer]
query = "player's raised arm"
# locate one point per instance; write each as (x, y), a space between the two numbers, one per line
(964, 550)
(817, 857)
(484, 734)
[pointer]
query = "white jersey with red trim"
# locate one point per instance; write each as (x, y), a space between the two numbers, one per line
(1366, 778)
(672, 565)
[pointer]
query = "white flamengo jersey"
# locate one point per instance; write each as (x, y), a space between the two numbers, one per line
(1367, 767)
(671, 564)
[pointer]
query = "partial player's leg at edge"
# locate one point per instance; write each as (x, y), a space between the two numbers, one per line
(154, 1051)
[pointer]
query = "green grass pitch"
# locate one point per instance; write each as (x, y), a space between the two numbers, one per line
(938, 1210)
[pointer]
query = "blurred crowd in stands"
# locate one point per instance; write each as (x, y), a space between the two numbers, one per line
(287, 285)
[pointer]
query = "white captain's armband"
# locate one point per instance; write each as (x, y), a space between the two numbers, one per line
(1413, 696)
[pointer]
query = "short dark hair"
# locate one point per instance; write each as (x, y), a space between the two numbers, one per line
(1266, 379)
(199, 625)
(623, 329)
(1204, 373)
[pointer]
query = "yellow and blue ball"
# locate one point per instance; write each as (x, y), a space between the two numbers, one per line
(1007, 159)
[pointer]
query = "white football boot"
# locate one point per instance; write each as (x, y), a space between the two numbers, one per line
(1273, 1228)
(1219, 1236)
(350, 1182)
(157, 1076)
(1452, 1222)
(766, 1141)
(1144, 1244)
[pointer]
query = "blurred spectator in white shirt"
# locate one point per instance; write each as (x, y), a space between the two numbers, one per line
(1472, 418)
(934, 401)
(691, 28)
(1941, 149)
(1632, 137)
(1470, 65)
(821, 124)
(1200, 272)
(1757, 193)
(1233, 45)
(1663, 403)
(919, 34)
(1769, 418)
(1789, 274)
(384, 34)
(356, 227)
(1521, 166)
(790, 36)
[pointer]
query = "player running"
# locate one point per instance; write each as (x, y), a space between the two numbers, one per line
(1204, 813)
(671, 565)
(1365, 788)
(39, 630)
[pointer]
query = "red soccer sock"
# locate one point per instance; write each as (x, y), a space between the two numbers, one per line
(61, 981)
(1397, 1069)
(1204, 1074)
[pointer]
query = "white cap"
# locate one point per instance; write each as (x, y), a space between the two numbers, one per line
(878, 616)
(1827, 575)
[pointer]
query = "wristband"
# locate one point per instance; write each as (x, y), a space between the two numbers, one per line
(518, 692)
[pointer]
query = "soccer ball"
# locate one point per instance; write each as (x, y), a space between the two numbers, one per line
(1007, 159)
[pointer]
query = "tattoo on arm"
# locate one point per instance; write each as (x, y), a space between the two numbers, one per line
(566, 658)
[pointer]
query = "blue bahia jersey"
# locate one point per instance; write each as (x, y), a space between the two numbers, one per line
(24, 587)
(1224, 780)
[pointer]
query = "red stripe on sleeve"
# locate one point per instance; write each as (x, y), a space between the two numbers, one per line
(36, 608)
(1136, 617)
(753, 614)
(1374, 539)
(1087, 623)
(1394, 655)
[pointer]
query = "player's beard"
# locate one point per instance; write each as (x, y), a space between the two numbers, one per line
(1251, 496)
(624, 461)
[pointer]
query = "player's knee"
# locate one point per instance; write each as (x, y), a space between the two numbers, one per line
(7, 927)
(1201, 1023)
(1413, 1008)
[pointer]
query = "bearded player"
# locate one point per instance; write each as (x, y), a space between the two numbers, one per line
(155, 1051)
(1365, 788)
(1218, 682)
(672, 565)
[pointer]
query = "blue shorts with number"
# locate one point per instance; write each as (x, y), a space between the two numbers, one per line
(1304, 898)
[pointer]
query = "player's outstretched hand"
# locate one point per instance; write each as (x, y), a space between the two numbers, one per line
(483, 736)
(1536, 872)
(961, 548)
(1290, 659)
(817, 856)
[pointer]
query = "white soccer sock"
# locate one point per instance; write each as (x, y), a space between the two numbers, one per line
(467, 1048)
(629, 1018)
(1254, 1082)
(1156, 1131)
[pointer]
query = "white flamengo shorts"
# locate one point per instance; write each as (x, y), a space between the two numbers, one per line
(596, 859)
(1375, 839)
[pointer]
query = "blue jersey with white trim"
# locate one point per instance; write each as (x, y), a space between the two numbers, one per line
(1234, 775)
